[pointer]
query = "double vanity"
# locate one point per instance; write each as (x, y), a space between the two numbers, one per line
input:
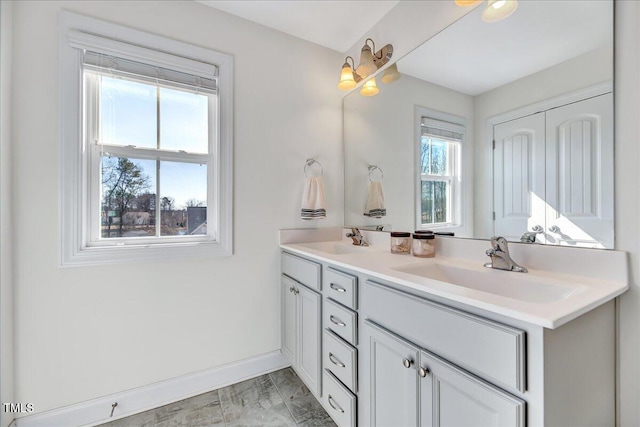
(394, 340)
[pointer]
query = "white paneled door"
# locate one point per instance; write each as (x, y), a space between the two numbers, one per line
(519, 176)
(553, 173)
(579, 163)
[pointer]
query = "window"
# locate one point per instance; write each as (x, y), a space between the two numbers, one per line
(149, 139)
(439, 189)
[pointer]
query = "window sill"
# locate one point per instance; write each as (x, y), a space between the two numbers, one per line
(101, 255)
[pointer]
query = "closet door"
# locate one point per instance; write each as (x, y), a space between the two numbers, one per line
(579, 188)
(519, 176)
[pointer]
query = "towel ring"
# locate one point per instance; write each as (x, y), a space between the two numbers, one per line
(310, 163)
(372, 169)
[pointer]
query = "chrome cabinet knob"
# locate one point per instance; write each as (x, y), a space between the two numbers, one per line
(423, 372)
(407, 363)
(292, 289)
(554, 229)
(537, 229)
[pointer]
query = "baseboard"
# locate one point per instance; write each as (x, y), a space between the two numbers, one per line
(141, 399)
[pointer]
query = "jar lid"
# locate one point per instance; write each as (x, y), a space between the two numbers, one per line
(446, 233)
(400, 234)
(423, 232)
(423, 236)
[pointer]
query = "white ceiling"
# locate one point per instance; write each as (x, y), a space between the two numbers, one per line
(470, 56)
(337, 25)
(474, 57)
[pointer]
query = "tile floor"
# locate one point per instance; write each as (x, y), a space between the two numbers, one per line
(276, 399)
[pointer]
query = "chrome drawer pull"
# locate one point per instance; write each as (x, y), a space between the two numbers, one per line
(335, 361)
(339, 409)
(337, 288)
(336, 322)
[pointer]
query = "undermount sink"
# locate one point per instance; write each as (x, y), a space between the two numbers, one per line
(337, 248)
(520, 286)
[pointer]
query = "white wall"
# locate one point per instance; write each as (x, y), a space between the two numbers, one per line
(6, 258)
(627, 196)
(380, 130)
(91, 331)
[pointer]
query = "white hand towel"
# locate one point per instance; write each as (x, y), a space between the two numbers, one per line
(375, 203)
(313, 205)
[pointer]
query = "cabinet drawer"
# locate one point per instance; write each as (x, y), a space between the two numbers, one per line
(304, 271)
(341, 287)
(341, 359)
(490, 349)
(339, 401)
(340, 320)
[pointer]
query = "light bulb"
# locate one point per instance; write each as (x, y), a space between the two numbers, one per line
(369, 88)
(391, 74)
(499, 9)
(366, 66)
(347, 81)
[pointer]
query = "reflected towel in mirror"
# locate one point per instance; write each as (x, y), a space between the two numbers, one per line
(375, 203)
(313, 204)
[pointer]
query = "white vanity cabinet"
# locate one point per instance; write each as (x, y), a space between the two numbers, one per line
(377, 351)
(424, 363)
(407, 386)
(302, 318)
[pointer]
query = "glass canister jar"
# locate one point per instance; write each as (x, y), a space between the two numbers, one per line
(400, 242)
(424, 245)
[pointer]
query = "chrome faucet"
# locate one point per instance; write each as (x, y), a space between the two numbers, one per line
(529, 237)
(357, 238)
(500, 259)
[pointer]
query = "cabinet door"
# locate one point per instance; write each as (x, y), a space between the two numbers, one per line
(451, 397)
(309, 338)
(289, 319)
(391, 385)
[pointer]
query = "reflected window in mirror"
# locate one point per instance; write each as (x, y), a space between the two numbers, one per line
(440, 146)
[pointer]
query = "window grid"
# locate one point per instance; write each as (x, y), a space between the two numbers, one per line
(438, 169)
(99, 149)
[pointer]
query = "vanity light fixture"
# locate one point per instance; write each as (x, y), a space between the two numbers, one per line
(369, 88)
(391, 74)
(347, 76)
(499, 9)
(370, 62)
(495, 11)
(467, 2)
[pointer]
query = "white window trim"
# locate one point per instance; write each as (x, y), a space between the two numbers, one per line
(453, 152)
(74, 250)
(456, 224)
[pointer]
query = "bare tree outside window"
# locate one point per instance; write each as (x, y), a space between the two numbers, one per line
(123, 181)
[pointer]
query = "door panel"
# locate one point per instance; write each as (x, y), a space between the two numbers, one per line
(289, 320)
(309, 338)
(519, 183)
(579, 187)
(451, 397)
(391, 388)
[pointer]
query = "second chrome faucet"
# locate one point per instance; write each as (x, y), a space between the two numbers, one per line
(500, 258)
(356, 236)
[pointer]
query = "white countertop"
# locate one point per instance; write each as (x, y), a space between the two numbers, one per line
(586, 278)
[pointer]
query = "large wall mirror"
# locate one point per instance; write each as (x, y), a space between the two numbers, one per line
(501, 128)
